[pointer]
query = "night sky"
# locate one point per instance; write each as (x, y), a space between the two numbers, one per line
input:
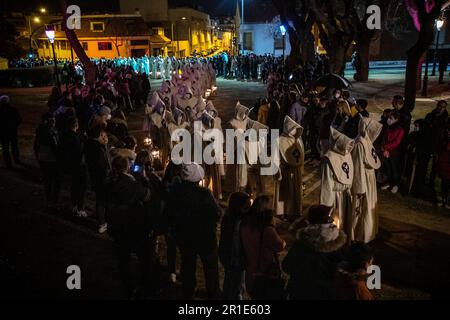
(213, 7)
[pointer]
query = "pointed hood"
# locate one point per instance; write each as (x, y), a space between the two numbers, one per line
(201, 105)
(157, 103)
(206, 119)
(178, 116)
(211, 109)
(289, 125)
(242, 111)
(340, 143)
(369, 128)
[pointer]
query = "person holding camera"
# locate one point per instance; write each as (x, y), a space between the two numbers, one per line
(128, 223)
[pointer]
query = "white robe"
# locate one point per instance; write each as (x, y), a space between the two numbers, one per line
(365, 205)
(336, 195)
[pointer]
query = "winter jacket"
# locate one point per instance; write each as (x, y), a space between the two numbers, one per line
(70, 151)
(297, 113)
(9, 121)
(125, 212)
(394, 137)
(98, 161)
(261, 253)
(46, 144)
(312, 262)
(435, 124)
(230, 246)
(193, 216)
(351, 285)
(443, 155)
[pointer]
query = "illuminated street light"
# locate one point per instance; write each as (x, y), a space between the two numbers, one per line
(183, 18)
(36, 19)
(439, 24)
(50, 33)
(283, 33)
(43, 10)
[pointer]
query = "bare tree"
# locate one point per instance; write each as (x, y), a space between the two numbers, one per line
(423, 14)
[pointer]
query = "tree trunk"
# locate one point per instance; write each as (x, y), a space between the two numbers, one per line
(414, 56)
(337, 57)
(88, 66)
(362, 67)
(294, 56)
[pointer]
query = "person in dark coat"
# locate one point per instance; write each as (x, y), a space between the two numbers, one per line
(435, 124)
(98, 160)
(10, 121)
(53, 99)
(417, 146)
(230, 247)
(398, 105)
(129, 224)
(313, 259)
(274, 114)
(443, 164)
(193, 215)
(72, 163)
(45, 150)
(262, 245)
(351, 129)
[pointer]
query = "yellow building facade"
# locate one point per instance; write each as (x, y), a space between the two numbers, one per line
(108, 36)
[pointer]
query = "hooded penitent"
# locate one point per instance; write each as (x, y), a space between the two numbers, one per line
(290, 142)
(201, 105)
(157, 108)
(240, 117)
(339, 156)
(364, 218)
(186, 97)
(289, 189)
(165, 92)
(211, 109)
(369, 130)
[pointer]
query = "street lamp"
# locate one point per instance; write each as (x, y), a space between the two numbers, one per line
(36, 19)
(439, 25)
(50, 33)
(43, 10)
(283, 33)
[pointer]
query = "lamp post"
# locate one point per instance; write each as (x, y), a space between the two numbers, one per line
(50, 33)
(425, 77)
(439, 25)
(283, 33)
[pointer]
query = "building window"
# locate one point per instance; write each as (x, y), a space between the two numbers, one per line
(85, 46)
(63, 45)
(139, 42)
(104, 46)
(248, 41)
(97, 26)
